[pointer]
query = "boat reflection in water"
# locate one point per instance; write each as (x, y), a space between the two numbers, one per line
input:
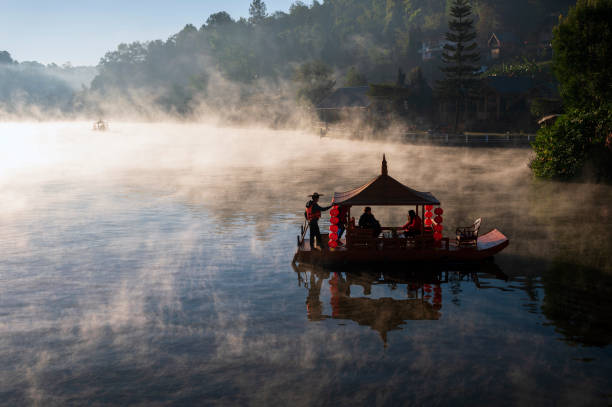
(421, 292)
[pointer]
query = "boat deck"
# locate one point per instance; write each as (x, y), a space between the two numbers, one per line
(305, 246)
(412, 250)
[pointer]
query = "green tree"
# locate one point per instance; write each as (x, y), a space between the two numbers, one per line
(257, 11)
(220, 18)
(355, 78)
(582, 56)
(576, 138)
(315, 81)
(581, 137)
(459, 57)
(5, 58)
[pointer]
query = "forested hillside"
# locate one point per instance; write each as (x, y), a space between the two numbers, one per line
(30, 88)
(374, 36)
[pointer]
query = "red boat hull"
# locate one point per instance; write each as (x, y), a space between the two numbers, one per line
(488, 245)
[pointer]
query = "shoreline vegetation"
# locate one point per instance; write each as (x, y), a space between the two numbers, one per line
(435, 68)
(284, 62)
(579, 142)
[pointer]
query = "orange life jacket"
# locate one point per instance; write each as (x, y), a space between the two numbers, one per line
(310, 215)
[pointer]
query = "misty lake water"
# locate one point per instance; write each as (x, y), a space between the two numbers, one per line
(151, 265)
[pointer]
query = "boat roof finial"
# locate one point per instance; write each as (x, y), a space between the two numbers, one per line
(384, 166)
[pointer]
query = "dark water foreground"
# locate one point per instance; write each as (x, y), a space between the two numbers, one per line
(150, 265)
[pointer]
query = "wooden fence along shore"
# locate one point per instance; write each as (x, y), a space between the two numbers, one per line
(471, 139)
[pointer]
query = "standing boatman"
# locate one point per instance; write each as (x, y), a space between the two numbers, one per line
(313, 213)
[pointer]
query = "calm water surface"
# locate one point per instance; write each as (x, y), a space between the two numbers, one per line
(151, 265)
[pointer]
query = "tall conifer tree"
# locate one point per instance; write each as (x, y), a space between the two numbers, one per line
(460, 57)
(257, 11)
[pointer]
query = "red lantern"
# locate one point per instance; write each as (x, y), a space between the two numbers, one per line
(428, 222)
(437, 228)
(333, 236)
(333, 244)
(438, 236)
(429, 207)
(428, 214)
(438, 211)
(334, 228)
(438, 219)
(333, 220)
(334, 212)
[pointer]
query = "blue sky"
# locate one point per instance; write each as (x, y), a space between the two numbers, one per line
(81, 31)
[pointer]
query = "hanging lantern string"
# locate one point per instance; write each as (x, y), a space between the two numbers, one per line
(333, 228)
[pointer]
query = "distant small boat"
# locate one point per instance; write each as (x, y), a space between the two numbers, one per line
(361, 246)
(100, 125)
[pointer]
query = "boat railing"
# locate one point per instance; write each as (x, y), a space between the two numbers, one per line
(390, 239)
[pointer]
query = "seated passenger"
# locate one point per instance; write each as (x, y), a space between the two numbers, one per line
(413, 226)
(368, 221)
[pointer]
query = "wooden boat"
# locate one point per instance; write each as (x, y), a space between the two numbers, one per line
(360, 246)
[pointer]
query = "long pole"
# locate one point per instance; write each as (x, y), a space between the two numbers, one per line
(423, 218)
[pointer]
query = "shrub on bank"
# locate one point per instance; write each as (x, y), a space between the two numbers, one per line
(581, 62)
(578, 139)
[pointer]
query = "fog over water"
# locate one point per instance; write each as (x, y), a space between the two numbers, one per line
(151, 264)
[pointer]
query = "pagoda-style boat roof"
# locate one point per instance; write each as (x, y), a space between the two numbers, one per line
(384, 190)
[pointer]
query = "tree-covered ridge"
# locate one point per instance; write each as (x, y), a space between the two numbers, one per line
(375, 36)
(31, 88)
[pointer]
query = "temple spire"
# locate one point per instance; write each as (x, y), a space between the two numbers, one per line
(384, 166)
